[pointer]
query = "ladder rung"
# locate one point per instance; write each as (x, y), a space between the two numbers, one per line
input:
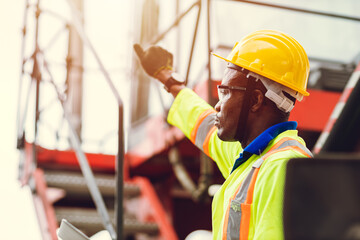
(75, 183)
(89, 221)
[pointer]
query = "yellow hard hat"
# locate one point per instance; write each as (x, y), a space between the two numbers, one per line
(274, 55)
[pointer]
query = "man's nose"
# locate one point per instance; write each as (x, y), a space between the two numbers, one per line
(217, 106)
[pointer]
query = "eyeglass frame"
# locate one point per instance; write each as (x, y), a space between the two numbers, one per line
(219, 87)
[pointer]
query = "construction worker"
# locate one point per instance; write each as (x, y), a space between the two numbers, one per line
(248, 134)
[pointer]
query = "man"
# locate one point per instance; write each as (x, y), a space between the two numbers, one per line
(247, 134)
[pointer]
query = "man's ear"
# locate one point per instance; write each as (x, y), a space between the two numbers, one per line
(257, 100)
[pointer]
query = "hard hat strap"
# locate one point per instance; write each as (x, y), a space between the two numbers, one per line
(275, 92)
(283, 103)
(244, 113)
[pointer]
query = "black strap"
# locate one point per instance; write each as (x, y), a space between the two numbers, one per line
(241, 127)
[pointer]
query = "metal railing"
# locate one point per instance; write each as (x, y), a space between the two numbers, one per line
(120, 155)
(38, 58)
(302, 10)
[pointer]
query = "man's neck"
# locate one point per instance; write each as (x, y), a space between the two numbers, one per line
(255, 130)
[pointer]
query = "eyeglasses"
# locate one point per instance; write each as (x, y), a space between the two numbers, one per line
(224, 91)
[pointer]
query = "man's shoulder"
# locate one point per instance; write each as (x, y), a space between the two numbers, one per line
(286, 146)
(285, 155)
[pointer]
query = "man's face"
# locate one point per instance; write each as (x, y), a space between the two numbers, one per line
(229, 105)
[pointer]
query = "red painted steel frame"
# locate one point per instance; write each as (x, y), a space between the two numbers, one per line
(166, 229)
(100, 162)
(41, 189)
(314, 111)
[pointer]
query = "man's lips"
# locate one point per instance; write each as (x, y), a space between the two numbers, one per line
(217, 122)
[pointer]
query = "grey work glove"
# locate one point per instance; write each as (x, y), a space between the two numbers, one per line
(154, 59)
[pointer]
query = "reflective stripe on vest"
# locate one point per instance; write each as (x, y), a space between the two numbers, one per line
(204, 126)
(237, 221)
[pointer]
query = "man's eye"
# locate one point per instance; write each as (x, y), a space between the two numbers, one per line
(221, 91)
(224, 91)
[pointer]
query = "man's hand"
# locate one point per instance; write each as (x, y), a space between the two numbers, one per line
(157, 62)
(154, 59)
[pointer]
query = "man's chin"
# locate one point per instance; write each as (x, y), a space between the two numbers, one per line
(225, 137)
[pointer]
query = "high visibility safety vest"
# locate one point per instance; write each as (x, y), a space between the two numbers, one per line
(249, 203)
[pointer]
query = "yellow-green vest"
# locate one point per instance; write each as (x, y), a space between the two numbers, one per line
(263, 216)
